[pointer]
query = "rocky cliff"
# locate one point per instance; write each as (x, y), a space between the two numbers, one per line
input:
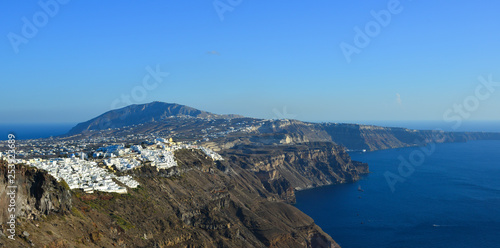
(283, 169)
(202, 204)
(37, 194)
(371, 138)
(356, 136)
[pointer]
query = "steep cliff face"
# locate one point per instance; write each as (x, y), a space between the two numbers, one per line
(204, 204)
(357, 137)
(281, 169)
(37, 194)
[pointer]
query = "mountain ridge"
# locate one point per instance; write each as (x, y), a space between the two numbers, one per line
(142, 113)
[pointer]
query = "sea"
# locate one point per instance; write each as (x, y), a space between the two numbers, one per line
(24, 131)
(446, 195)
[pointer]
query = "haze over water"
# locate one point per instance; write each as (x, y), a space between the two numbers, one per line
(452, 200)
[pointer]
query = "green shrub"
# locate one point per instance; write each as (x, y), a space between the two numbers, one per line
(121, 222)
(76, 212)
(64, 184)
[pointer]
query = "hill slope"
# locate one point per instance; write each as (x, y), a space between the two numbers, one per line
(139, 114)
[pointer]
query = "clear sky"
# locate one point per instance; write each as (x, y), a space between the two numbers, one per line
(263, 58)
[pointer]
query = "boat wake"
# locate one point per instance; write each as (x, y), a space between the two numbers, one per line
(436, 225)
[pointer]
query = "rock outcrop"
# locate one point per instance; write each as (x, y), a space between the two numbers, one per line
(37, 194)
(283, 169)
(354, 136)
(371, 138)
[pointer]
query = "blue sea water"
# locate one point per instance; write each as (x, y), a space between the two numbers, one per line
(451, 200)
(34, 130)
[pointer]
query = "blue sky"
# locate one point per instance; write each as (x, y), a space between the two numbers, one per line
(264, 56)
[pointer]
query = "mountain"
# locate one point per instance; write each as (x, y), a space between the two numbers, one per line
(142, 113)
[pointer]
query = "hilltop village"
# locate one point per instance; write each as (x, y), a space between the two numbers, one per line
(94, 171)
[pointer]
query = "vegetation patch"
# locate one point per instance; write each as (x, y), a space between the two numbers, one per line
(76, 213)
(122, 222)
(64, 184)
